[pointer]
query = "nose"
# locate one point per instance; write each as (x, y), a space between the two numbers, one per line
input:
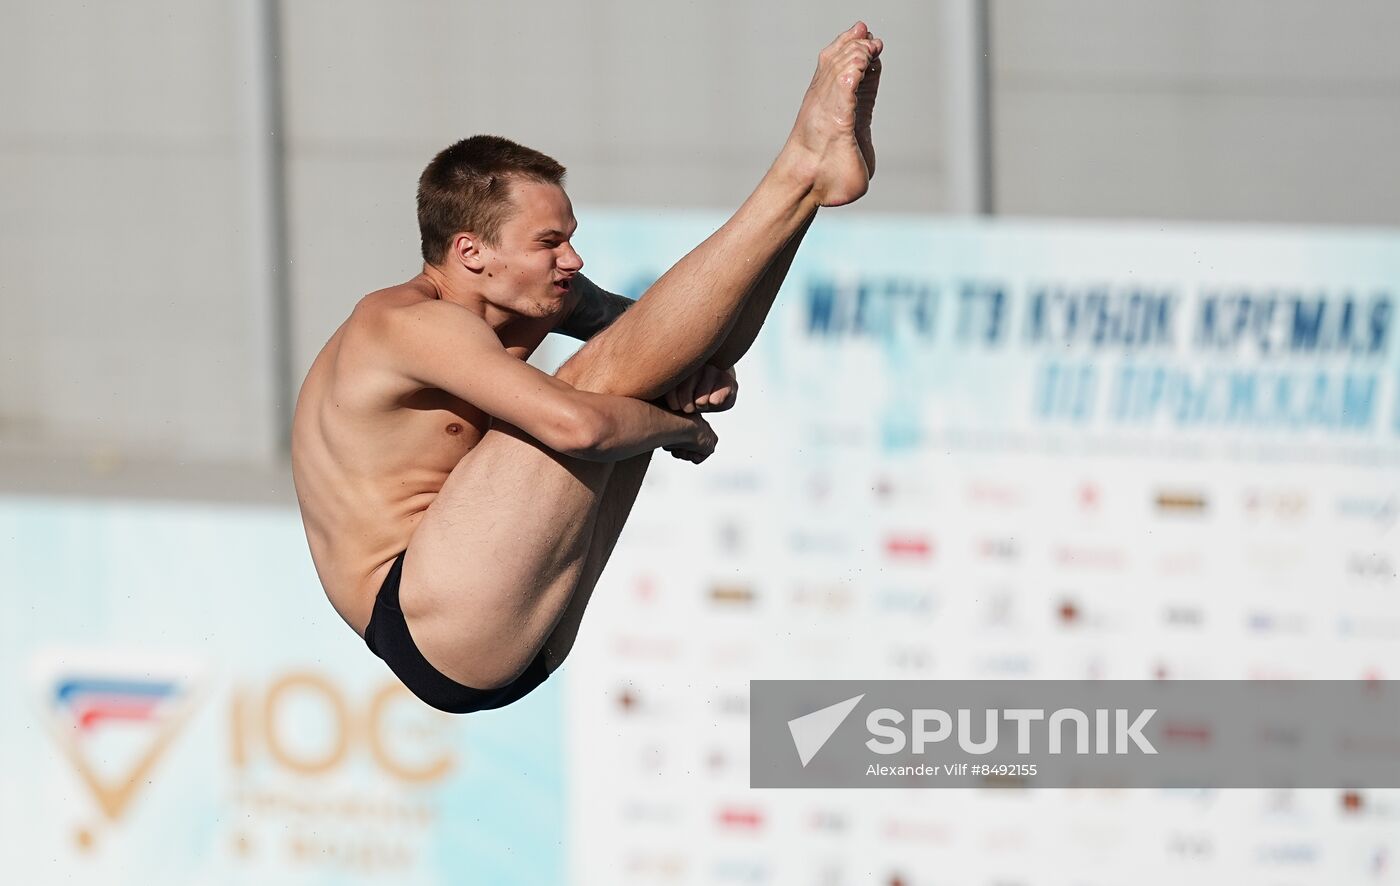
(570, 260)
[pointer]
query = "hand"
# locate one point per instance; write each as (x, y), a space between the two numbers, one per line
(708, 389)
(700, 446)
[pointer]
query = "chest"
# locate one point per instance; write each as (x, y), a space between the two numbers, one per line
(443, 427)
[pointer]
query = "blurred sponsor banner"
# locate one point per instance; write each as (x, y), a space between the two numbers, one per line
(1002, 451)
(917, 331)
(183, 705)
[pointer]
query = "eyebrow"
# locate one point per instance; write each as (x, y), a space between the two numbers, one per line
(552, 232)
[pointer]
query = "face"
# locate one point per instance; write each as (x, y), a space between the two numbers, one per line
(529, 270)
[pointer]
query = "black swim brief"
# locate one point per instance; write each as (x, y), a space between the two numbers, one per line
(387, 637)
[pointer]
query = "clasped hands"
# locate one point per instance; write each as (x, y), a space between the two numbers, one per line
(708, 389)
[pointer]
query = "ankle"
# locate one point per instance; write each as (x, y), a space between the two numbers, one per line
(795, 169)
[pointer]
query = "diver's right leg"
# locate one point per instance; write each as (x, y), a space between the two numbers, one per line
(685, 317)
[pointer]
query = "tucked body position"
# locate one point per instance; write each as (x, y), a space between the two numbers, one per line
(459, 503)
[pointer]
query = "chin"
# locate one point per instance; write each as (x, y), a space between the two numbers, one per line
(555, 301)
(545, 307)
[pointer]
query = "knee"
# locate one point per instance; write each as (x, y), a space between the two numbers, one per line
(594, 369)
(580, 372)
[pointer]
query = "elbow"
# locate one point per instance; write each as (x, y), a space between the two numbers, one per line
(580, 431)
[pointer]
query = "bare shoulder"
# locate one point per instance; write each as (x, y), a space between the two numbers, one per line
(395, 323)
(404, 338)
(383, 306)
(413, 308)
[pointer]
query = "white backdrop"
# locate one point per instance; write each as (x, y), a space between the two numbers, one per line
(1010, 451)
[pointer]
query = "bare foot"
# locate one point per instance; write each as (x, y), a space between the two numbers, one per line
(831, 138)
(865, 109)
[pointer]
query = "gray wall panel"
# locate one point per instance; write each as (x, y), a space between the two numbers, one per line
(1222, 157)
(126, 325)
(362, 236)
(136, 305)
(1251, 111)
(1266, 45)
(116, 77)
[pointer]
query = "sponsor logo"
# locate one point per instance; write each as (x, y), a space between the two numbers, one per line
(1191, 734)
(911, 658)
(906, 601)
(916, 831)
(1374, 627)
(828, 821)
(908, 546)
(1181, 563)
(733, 481)
(732, 704)
(738, 870)
(1089, 497)
(1286, 853)
(1286, 505)
(743, 818)
(645, 647)
(1093, 558)
(656, 865)
(834, 543)
(1003, 665)
(1371, 566)
(628, 701)
(994, 495)
(828, 598)
(1190, 845)
(1001, 550)
(732, 595)
(1185, 616)
(1181, 502)
(647, 812)
(1380, 510)
(1265, 622)
(903, 489)
(114, 716)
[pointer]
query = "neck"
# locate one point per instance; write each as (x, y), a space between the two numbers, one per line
(458, 291)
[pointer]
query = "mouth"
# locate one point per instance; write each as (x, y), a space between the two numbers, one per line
(563, 285)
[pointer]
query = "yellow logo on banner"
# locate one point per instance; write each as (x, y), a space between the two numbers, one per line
(265, 719)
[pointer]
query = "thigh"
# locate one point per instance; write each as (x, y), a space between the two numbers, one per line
(490, 568)
(613, 511)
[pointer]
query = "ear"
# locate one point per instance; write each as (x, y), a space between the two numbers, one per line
(466, 250)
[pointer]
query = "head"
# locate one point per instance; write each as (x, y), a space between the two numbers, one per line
(494, 214)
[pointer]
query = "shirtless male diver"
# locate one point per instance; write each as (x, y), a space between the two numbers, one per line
(459, 503)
